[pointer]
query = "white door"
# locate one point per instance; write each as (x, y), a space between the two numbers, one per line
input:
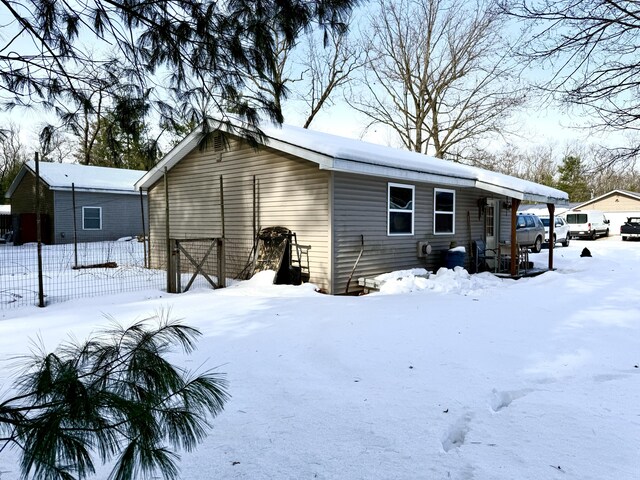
(492, 228)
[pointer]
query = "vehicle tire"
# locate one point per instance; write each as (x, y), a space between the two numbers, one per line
(593, 235)
(606, 234)
(566, 241)
(537, 246)
(624, 239)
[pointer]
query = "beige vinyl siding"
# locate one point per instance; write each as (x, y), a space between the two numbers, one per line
(360, 208)
(614, 203)
(290, 192)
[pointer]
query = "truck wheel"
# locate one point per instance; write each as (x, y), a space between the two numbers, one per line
(624, 239)
(606, 234)
(537, 247)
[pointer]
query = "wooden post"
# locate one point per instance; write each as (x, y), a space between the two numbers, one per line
(515, 203)
(222, 261)
(75, 226)
(166, 231)
(144, 234)
(39, 234)
(552, 222)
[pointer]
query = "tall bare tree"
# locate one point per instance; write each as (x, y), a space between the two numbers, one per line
(591, 48)
(437, 73)
(327, 70)
(12, 156)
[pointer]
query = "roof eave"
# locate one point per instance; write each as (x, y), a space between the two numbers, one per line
(520, 195)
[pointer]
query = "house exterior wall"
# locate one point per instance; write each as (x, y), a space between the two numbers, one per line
(121, 216)
(360, 208)
(23, 202)
(290, 192)
(615, 202)
(616, 208)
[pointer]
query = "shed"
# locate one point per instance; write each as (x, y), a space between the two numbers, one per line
(107, 204)
(5, 220)
(340, 196)
(616, 205)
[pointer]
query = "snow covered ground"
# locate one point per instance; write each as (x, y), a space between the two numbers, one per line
(455, 376)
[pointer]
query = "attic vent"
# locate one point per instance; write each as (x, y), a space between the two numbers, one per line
(217, 143)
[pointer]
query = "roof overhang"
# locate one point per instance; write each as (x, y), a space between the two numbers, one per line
(463, 176)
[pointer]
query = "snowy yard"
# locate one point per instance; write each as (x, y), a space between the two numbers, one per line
(459, 377)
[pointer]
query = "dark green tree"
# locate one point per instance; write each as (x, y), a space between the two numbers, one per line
(573, 179)
(173, 44)
(114, 396)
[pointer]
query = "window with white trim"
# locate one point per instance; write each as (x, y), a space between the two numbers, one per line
(444, 211)
(92, 218)
(400, 206)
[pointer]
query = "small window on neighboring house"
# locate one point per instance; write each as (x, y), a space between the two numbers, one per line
(400, 209)
(92, 218)
(444, 211)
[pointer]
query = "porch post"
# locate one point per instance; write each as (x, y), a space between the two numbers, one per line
(552, 222)
(515, 203)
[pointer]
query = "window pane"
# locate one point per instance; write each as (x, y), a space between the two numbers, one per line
(444, 223)
(444, 201)
(91, 218)
(400, 222)
(400, 198)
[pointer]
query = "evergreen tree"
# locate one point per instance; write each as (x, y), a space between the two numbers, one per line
(114, 396)
(573, 179)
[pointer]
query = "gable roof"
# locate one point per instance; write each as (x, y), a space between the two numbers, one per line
(332, 152)
(627, 193)
(85, 178)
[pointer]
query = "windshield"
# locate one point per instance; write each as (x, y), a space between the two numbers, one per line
(577, 218)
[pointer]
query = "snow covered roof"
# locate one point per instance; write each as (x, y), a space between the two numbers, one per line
(5, 209)
(60, 176)
(332, 152)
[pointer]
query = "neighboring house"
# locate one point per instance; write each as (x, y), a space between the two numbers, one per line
(333, 192)
(5, 220)
(107, 205)
(616, 205)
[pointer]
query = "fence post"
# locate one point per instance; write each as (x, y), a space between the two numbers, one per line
(222, 263)
(176, 264)
(144, 233)
(166, 228)
(75, 226)
(39, 234)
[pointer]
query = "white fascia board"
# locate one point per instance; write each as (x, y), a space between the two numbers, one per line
(97, 190)
(519, 195)
(325, 162)
(350, 166)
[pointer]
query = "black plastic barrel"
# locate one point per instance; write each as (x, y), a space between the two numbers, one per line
(454, 258)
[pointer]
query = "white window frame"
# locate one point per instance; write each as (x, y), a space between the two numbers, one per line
(84, 227)
(442, 212)
(395, 210)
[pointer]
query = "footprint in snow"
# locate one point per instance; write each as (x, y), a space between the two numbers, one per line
(455, 436)
(500, 400)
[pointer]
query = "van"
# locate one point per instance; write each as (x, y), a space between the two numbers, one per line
(587, 224)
